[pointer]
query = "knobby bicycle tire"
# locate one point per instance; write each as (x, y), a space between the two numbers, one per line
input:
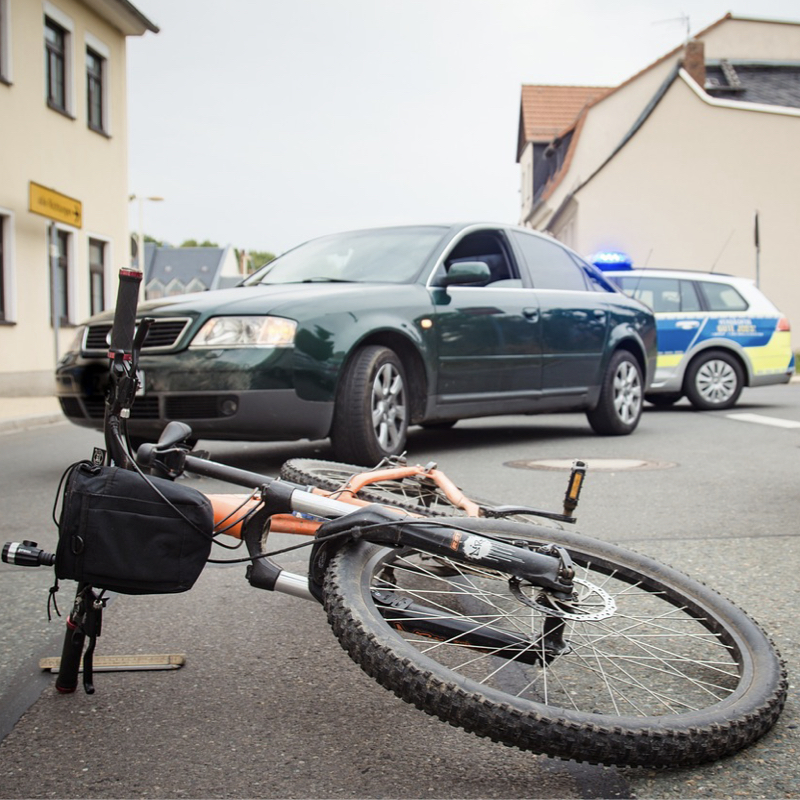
(410, 494)
(656, 670)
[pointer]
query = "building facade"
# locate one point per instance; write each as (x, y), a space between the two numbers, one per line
(63, 175)
(674, 166)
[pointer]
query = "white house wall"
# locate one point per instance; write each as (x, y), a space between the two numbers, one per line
(607, 123)
(743, 39)
(684, 191)
(46, 147)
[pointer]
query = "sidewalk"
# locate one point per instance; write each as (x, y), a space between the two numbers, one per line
(20, 413)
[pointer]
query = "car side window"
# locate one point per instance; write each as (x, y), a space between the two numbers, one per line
(689, 299)
(490, 248)
(550, 265)
(597, 281)
(722, 297)
(663, 295)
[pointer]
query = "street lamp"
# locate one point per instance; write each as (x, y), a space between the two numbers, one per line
(140, 233)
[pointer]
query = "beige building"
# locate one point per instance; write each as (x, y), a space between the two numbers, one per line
(672, 166)
(63, 175)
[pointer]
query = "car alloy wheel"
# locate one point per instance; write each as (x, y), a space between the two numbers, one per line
(716, 381)
(627, 392)
(619, 406)
(370, 419)
(389, 407)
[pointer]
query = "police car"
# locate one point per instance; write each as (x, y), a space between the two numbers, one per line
(716, 334)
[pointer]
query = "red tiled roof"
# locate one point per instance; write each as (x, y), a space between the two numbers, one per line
(548, 110)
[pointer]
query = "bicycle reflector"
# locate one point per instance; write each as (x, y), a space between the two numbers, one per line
(27, 554)
(574, 487)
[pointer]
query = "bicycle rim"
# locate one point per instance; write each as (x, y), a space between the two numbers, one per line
(650, 668)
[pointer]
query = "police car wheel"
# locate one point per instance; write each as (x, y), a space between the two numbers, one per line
(714, 381)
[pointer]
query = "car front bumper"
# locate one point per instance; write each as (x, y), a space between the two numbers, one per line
(217, 399)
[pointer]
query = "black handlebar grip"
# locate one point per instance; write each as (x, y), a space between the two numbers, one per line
(124, 326)
(74, 639)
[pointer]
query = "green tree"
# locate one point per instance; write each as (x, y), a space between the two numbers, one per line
(257, 259)
(195, 243)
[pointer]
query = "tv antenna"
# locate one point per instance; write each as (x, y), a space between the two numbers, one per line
(683, 18)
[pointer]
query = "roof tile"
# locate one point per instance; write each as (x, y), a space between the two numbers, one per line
(548, 110)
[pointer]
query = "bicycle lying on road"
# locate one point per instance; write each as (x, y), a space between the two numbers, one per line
(529, 634)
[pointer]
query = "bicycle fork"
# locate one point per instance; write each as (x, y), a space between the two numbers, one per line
(548, 570)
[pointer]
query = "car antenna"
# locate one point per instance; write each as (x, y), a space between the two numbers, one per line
(716, 260)
(639, 279)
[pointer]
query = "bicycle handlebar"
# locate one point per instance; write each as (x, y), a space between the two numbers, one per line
(122, 331)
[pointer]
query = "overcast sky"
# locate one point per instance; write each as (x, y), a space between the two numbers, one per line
(263, 123)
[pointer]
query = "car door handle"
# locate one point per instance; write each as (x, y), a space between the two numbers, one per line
(687, 324)
(531, 314)
(599, 313)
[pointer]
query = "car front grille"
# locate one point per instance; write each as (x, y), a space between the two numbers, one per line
(143, 407)
(176, 407)
(163, 335)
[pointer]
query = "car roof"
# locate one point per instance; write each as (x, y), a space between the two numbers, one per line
(658, 272)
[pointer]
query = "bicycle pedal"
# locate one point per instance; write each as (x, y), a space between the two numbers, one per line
(123, 663)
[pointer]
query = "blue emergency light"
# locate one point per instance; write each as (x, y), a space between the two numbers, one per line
(611, 261)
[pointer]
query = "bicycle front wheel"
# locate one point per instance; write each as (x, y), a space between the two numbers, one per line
(647, 668)
(417, 494)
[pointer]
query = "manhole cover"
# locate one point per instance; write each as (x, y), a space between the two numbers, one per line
(592, 464)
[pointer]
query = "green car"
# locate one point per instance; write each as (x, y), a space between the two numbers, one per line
(356, 336)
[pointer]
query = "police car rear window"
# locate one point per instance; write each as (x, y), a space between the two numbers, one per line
(722, 297)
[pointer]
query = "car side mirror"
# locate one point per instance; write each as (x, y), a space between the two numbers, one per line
(464, 272)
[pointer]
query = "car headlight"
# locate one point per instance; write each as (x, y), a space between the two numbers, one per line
(77, 340)
(246, 332)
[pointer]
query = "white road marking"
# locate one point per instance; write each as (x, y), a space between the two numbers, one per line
(775, 422)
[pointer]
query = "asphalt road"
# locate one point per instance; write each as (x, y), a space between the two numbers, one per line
(268, 705)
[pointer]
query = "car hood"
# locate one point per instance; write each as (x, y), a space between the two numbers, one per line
(286, 299)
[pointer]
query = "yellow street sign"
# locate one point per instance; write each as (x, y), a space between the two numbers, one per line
(54, 205)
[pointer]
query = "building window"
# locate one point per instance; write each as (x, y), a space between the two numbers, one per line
(58, 58)
(8, 311)
(5, 43)
(94, 89)
(56, 64)
(2, 270)
(97, 275)
(98, 56)
(60, 291)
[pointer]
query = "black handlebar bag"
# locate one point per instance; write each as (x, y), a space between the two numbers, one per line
(130, 533)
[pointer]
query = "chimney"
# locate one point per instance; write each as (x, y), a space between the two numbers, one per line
(694, 61)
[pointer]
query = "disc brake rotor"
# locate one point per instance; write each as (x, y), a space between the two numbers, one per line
(593, 603)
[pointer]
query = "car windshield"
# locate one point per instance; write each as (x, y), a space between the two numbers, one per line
(388, 255)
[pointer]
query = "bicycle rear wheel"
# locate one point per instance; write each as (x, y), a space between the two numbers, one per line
(415, 494)
(649, 668)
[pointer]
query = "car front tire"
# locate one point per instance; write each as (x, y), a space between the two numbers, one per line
(714, 381)
(370, 419)
(621, 397)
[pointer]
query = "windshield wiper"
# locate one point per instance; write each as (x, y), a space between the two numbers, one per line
(322, 279)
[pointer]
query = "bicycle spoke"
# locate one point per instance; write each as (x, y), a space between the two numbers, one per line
(650, 656)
